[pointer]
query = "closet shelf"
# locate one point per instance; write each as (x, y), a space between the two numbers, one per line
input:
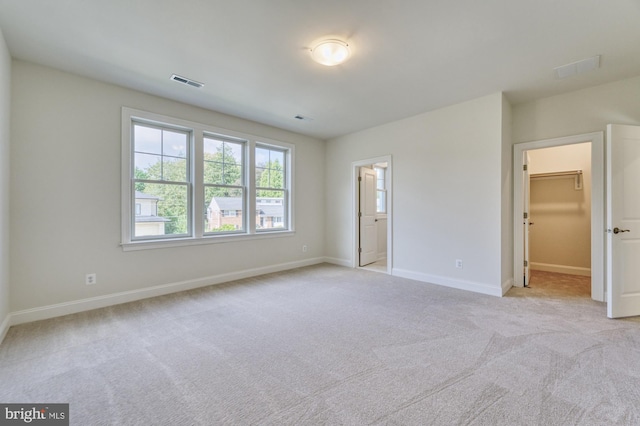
(556, 174)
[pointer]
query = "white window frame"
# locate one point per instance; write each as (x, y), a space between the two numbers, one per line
(243, 186)
(286, 182)
(196, 190)
(188, 184)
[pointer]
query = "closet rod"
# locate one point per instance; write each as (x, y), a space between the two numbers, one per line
(555, 174)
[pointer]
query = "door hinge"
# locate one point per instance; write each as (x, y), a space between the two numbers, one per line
(359, 250)
(359, 178)
(526, 263)
(359, 214)
(525, 167)
(526, 215)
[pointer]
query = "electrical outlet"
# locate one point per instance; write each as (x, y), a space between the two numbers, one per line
(304, 248)
(90, 279)
(459, 263)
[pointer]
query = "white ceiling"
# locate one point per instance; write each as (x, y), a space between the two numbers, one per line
(409, 56)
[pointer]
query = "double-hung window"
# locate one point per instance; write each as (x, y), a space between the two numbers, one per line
(271, 191)
(161, 180)
(225, 194)
(188, 183)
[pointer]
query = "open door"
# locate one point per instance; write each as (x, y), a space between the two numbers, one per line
(526, 193)
(623, 221)
(368, 247)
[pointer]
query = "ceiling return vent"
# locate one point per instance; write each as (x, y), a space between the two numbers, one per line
(185, 80)
(579, 67)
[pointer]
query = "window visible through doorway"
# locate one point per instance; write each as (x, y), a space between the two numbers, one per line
(381, 189)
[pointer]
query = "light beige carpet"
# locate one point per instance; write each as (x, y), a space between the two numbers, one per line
(332, 345)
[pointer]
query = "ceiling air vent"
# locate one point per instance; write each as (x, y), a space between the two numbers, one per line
(184, 80)
(579, 67)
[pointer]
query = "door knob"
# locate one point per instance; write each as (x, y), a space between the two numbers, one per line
(617, 230)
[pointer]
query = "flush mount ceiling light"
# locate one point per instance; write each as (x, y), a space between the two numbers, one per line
(330, 52)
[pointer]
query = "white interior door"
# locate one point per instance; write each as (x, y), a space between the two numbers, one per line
(367, 217)
(623, 221)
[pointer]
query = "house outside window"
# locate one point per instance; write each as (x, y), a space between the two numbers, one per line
(147, 221)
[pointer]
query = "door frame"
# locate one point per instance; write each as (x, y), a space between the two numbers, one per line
(355, 228)
(598, 229)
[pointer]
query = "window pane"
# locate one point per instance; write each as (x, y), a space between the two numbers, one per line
(160, 154)
(147, 139)
(174, 169)
(222, 162)
(381, 202)
(163, 209)
(277, 157)
(262, 156)
(213, 172)
(380, 177)
(224, 209)
(270, 168)
(233, 175)
(233, 153)
(211, 146)
(270, 209)
(174, 144)
(148, 166)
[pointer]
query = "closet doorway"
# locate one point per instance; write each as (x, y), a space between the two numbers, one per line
(559, 221)
(560, 209)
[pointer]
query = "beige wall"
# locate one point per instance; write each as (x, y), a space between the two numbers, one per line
(582, 111)
(507, 193)
(447, 193)
(66, 159)
(560, 239)
(5, 104)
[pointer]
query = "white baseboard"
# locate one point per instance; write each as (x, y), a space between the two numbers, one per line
(339, 262)
(561, 269)
(66, 308)
(506, 286)
(450, 282)
(4, 327)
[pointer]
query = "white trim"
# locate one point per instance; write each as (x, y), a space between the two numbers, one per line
(355, 170)
(561, 269)
(4, 327)
(453, 283)
(339, 262)
(506, 286)
(598, 227)
(181, 242)
(66, 308)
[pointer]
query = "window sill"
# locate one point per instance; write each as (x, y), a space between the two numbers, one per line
(215, 239)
